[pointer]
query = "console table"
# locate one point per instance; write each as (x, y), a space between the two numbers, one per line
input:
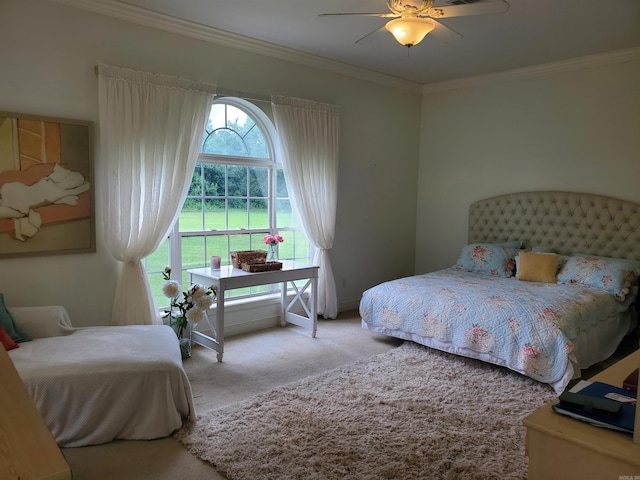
(228, 278)
(562, 447)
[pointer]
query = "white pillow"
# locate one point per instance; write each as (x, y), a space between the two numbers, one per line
(42, 322)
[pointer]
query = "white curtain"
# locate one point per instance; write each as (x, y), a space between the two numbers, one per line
(309, 135)
(151, 127)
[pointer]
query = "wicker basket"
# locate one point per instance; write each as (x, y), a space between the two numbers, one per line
(241, 257)
(262, 267)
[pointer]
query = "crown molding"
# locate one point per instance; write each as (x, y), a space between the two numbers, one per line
(142, 16)
(579, 63)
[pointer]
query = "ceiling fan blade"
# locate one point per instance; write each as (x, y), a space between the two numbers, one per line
(444, 33)
(381, 15)
(481, 7)
(369, 36)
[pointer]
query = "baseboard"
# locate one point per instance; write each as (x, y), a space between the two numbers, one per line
(249, 315)
(349, 305)
(252, 315)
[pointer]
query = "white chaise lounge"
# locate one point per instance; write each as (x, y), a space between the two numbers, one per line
(97, 384)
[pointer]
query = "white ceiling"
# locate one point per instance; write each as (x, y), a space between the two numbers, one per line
(531, 32)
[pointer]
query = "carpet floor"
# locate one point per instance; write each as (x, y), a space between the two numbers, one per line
(407, 413)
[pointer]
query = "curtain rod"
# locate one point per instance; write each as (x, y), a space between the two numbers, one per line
(224, 92)
(252, 97)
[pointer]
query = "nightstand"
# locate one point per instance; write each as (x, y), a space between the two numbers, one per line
(562, 447)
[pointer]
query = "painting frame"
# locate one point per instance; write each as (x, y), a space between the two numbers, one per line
(47, 186)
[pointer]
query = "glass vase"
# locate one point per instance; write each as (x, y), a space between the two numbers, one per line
(185, 347)
(272, 252)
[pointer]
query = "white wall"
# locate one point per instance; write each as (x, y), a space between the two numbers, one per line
(575, 131)
(47, 57)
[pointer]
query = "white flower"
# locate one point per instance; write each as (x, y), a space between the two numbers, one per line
(171, 289)
(195, 315)
(198, 292)
(204, 302)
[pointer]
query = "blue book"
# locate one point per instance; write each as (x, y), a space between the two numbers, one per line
(600, 404)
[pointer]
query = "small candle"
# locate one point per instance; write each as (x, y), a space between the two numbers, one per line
(215, 262)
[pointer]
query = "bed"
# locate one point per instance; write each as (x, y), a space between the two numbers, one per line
(546, 286)
(94, 385)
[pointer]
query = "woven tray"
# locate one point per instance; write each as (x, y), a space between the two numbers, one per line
(240, 257)
(261, 267)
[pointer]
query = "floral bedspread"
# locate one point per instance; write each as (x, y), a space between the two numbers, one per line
(528, 326)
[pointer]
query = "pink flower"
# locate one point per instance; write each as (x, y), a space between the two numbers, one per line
(477, 331)
(529, 352)
(513, 323)
(271, 239)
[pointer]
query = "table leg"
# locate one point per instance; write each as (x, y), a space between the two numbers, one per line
(314, 306)
(283, 305)
(220, 322)
(310, 308)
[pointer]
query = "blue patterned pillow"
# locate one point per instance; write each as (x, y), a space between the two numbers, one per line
(488, 259)
(614, 275)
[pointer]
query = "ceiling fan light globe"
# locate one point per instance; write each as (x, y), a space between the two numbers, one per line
(410, 31)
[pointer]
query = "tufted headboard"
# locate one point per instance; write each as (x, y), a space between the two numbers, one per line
(566, 222)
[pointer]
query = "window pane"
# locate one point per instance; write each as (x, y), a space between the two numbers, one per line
(284, 214)
(217, 117)
(225, 142)
(217, 245)
(154, 265)
(191, 216)
(301, 246)
(214, 179)
(258, 214)
(256, 241)
(158, 260)
(259, 182)
(286, 248)
(281, 184)
(230, 131)
(195, 189)
(237, 181)
(193, 252)
(238, 214)
(239, 121)
(215, 217)
(256, 144)
(239, 242)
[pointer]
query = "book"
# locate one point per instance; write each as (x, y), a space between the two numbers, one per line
(601, 394)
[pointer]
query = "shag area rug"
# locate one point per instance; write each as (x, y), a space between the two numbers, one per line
(410, 413)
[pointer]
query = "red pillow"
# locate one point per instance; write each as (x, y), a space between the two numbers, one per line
(7, 341)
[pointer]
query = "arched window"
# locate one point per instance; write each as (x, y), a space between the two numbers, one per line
(237, 195)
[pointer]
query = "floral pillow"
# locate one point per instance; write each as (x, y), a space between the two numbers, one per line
(613, 275)
(487, 259)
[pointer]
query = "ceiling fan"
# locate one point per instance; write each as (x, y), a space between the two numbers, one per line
(412, 23)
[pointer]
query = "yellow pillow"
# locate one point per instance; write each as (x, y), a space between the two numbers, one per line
(537, 267)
